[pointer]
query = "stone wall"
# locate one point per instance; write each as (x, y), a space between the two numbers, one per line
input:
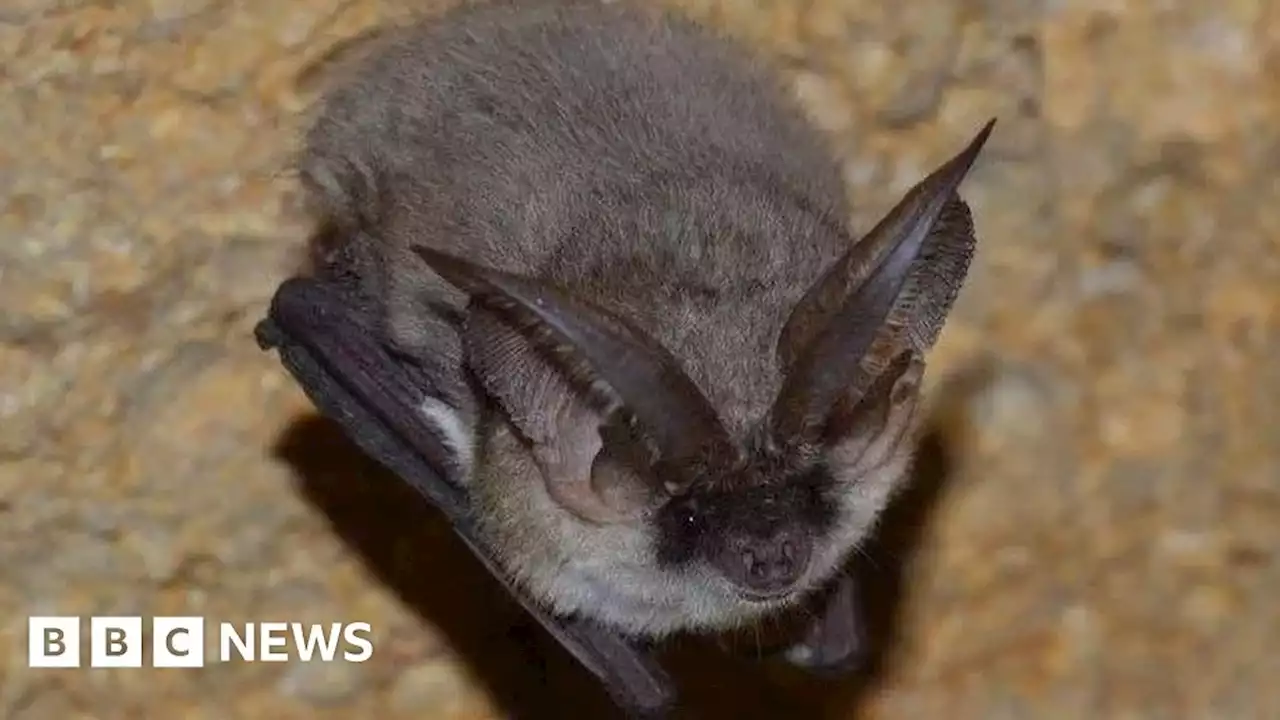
(1096, 526)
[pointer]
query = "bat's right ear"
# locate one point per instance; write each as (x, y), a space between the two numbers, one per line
(561, 365)
(603, 362)
(560, 424)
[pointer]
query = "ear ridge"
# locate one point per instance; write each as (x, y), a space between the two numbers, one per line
(936, 279)
(932, 286)
(522, 381)
(526, 343)
(559, 423)
(930, 292)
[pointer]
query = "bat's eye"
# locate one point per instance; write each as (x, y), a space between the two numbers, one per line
(685, 519)
(689, 517)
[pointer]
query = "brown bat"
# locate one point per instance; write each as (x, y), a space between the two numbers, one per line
(595, 295)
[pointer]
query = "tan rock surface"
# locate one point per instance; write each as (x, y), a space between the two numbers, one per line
(1106, 541)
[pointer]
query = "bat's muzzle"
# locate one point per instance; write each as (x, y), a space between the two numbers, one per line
(766, 567)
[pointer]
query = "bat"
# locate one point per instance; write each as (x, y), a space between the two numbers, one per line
(592, 292)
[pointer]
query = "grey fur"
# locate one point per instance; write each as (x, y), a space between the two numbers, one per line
(638, 161)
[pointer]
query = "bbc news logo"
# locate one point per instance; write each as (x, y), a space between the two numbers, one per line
(179, 642)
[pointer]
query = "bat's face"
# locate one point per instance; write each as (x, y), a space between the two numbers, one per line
(757, 526)
(706, 529)
(777, 520)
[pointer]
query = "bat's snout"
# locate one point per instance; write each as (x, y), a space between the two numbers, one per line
(765, 567)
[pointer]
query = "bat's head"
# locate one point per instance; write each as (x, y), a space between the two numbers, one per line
(753, 521)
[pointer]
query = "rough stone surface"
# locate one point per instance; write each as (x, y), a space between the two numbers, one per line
(1094, 533)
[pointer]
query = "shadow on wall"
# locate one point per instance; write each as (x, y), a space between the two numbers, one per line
(407, 545)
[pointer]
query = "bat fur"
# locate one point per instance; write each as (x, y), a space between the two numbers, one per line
(655, 176)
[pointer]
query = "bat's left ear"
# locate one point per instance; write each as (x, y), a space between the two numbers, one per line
(862, 435)
(889, 293)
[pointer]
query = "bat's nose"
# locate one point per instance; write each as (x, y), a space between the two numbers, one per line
(769, 565)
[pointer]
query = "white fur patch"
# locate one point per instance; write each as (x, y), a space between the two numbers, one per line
(455, 434)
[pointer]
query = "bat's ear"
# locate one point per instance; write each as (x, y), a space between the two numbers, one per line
(561, 364)
(889, 294)
(559, 421)
(863, 434)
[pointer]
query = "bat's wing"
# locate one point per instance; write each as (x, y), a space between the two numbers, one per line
(331, 348)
